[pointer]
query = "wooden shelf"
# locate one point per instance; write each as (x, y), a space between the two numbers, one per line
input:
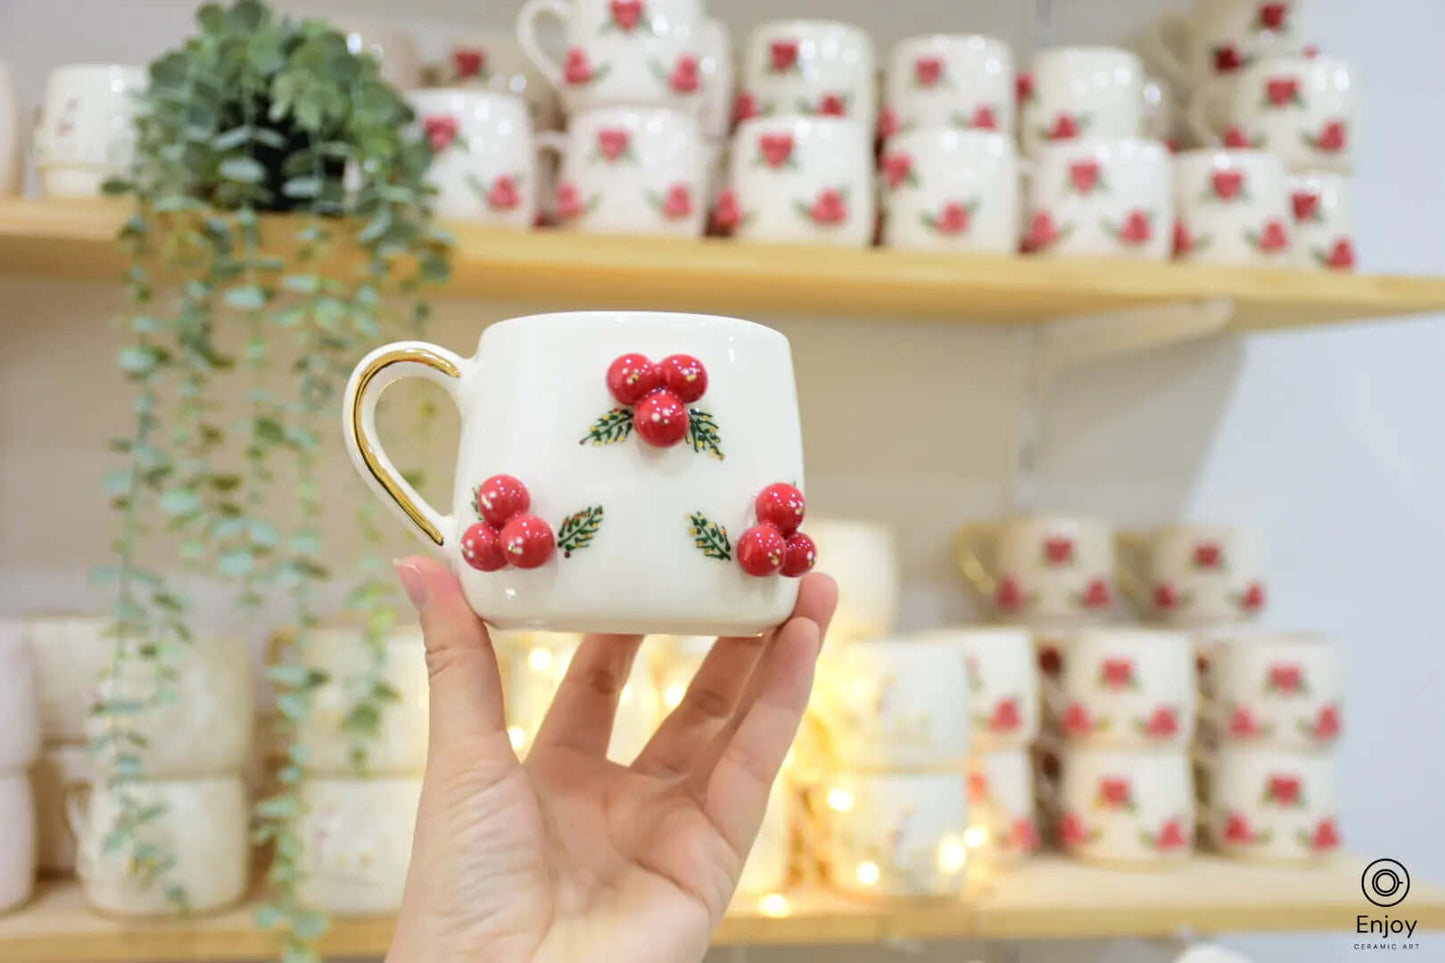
(74, 239)
(1048, 898)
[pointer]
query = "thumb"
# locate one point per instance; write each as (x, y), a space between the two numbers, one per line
(466, 686)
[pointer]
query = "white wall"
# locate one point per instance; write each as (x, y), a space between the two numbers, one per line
(1327, 440)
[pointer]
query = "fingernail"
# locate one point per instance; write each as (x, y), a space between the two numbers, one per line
(412, 580)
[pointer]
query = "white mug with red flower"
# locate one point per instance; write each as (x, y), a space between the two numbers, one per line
(1080, 93)
(630, 170)
(1109, 198)
(606, 450)
(808, 68)
(803, 179)
(1231, 207)
(1219, 37)
(1301, 108)
(1003, 685)
(492, 59)
(1324, 227)
(1033, 567)
(1124, 687)
(85, 128)
(949, 80)
(635, 53)
(1194, 574)
(1001, 802)
(951, 190)
(485, 159)
(1277, 689)
(1125, 806)
(1263, 803)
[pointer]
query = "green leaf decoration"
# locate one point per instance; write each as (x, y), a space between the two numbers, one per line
(579, 529)
(709, 536)
(611, 428)
(702, 433)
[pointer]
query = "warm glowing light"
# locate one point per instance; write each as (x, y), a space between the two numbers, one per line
(840, 800)
(672, 695)
(952, 854)
(518, 735)
(627, 693)
(539, 659)
(975, 836)
(868, 873)
(774, 904)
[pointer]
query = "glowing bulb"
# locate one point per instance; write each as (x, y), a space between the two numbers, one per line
(840, 800)
(673, 695)
(539, 659)
(975, 836)
(774, 905)
(868, 873)
(952, 854)
(518, 735)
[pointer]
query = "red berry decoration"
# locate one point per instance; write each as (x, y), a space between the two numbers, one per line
(661, 419)
(761, 550)
(482, 548)
(684, 376)
(500, 499)
(781, 506)
(800, 557)
(633, 377)
(527, 541)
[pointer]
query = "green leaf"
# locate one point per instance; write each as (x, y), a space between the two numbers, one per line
(702, 433)
(278, 807)
(611, 428)
(709, 536)
(138, 359)
(180, 501)
(293, 706)
(302, 283)
(242, 170)
(308, 924)
(302, 187)
(236, 562)
(247, 297)
(228, 140)
(579, 529)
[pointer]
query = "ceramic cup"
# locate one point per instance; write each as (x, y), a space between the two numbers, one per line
(770, 860)
(1324, 228)
(1193, 574)
(1231, 207)
(17, 855)
(1278, 689)
(801, 179)
(1076, 93)
(485, 158)
(198, 724)
(19, 708)
(1127, 807)
(12, 168)
(84, 134)
(59, 767)
(1003, 687)
(1219, 37)
(1104, 198)
(493, 60)
(719, 80)
(863, 560)
(1125, 688)
(70, 655)
(636, 53)
(809, 68)
(1270, 804)
(1302, 109)
(899, 703)
(1040, 566)
(1001, 802)
(578, 504)
(896, 834)
(631, 171)
(397, 743)
(949, 80)
(201, 824)
(951, 190)
(356, 837)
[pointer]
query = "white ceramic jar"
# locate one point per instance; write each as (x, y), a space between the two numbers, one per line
(1266, 804)
(863, 560)
(70, 655)
(85, 132)
(357, 837)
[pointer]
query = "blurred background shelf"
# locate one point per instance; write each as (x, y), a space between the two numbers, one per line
(1046, 899)
(75, 239)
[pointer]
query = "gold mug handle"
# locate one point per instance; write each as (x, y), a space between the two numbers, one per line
(378, 370)
(968, 550)
(1130, 552)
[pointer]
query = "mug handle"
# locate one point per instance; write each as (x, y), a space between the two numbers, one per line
(1196, 115)
(76, 796)
(967, 551)
(377, 371)
(1162, 41)
(1129, 552)
(527, 36)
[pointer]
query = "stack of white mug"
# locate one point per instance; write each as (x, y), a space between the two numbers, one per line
(19, 750)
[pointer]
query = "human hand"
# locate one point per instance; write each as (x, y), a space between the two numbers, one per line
(568, 857)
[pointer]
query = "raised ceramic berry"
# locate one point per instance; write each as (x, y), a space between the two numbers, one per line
(528, 541)
(781, 506)
(661, 419)
(633, 377)
(684, 376)
(800, 556)
(482, 548)
(500, 499)
(761, 550)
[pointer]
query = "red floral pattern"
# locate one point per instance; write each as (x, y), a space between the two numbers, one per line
(928, 71)
(469, 62)
(1115, 793)
(441, 131)
(1227, 59)
(776, 150)
(503, 195)
(685, 77)
(1096, 595)
(1117, 674)
(1005, 716)
(1208, 555)
(783, 56)
(1331, 139)
(1283, 790)
(1084, 176)
(1283, 92)
(1058, 550)
(627, 14)
(1341, 256)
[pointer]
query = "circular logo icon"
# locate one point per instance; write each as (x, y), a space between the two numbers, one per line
(1386, 882)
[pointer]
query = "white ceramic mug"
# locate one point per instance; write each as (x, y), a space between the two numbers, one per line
(70, 655)
(863, 560)
(770, 860)
(84, 135)
(631, 170)
(1324, 227)
(1271, 804)
(59, 767)
(567, 497)
(1101, 198)
(951, 190)
(1220, 37)
(1127, 807)
(803, 179)
(1193, 574)
(1231, 207)
(1003, 686)
(636, 53)
(19, 708)
(485, 160)
(201, 824)
(719, 80)
(17, 855)
(1278, 689)
(1076, 93)
(809, 68)
(356, 842)
(1301, 108)
(1125, 688)
(949, 80)
(1040, 566)
(1001, 802)
(896, 834)
(493, 60)
(12, 168)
